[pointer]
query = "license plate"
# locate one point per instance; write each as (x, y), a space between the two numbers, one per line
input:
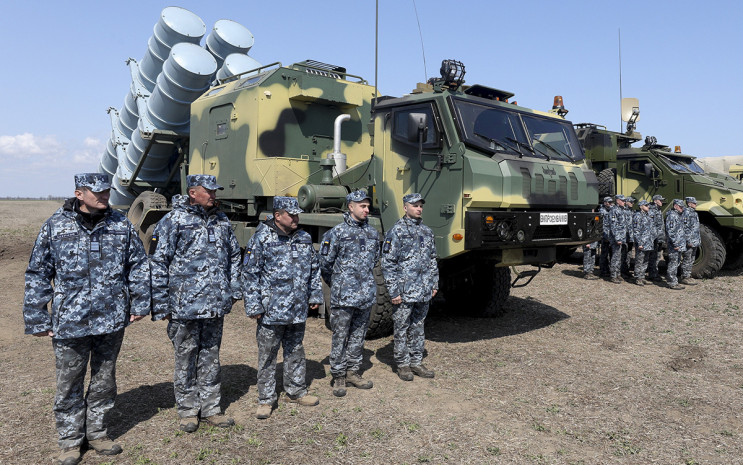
(553, 218)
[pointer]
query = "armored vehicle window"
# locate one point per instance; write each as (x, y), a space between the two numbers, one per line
(637, 166)
(492, 128)
(553, 139)
(681, 164)
(400, 120)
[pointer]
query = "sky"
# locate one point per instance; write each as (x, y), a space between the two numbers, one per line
(64, 64)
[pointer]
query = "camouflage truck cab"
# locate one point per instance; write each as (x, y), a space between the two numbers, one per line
(504, 185)
(655, 169)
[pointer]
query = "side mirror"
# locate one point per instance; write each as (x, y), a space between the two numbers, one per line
(650, 171)
(417, 127)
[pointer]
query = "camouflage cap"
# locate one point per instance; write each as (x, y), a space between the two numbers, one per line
(678, 202)
(207, 181)
(691, 200)
(96, 182)
(357, 196)
(289, 204)
(630, 199)
(619, 197)
(608, 199)
(642, 202)
(659, 197)
(412, 198)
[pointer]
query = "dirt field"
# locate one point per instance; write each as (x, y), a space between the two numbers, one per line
(579, 372)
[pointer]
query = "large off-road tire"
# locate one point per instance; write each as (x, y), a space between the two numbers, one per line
(481, 290)
(710, 254)
(380, 318)
(145, 201)
(607, 184)
(563, 253)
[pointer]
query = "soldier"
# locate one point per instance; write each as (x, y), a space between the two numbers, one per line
(676, 242)
(195, 281)
(618, 236)
(281, 278)
(693, 239)
(589, 260)
(605, 236)
(89, 262)
(629, 203)
(348, 255)
(643, 230)
(412, 277)
(659, 241)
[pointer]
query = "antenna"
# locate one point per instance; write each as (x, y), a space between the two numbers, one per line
(425, 71)
(621, 126)
(376, 52)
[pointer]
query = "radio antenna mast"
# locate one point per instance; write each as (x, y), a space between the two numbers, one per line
(423, 50)
(621, 126)
(376, 52)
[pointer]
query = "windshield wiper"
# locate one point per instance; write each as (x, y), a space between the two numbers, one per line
(500, 143)
(559, 152)
(521, 144)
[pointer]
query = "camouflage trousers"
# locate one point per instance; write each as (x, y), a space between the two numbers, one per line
(688, 261)
(605, 257)
(349, 330)
(197, 381)
(269, 338)
(589, 259)
(409, 338)
(616, 259)
(654, 257)
(641, 263)
(674, 257)
(79, 415)
(626, 258)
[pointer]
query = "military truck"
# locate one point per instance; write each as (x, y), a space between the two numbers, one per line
(653, 168)
(504, 185)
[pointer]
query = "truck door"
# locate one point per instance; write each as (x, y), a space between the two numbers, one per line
(641, 178)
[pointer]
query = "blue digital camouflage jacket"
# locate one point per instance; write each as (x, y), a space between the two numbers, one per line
(280, 275)
(643, 230)
(691, 227)
(94, 278)
(348, 254)
(675, 231)
(605, 223)
(659, 229)
(629, 213)
(618, 224)
(409, 261)
(196, 264)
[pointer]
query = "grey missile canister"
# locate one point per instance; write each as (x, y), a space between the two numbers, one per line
(234, 64)
(186, 75)
(228, 37)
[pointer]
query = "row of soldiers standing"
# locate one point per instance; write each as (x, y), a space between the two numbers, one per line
(648, 234)
(89, 263)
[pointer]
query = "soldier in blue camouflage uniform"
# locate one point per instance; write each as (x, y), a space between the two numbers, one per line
(281, 279)
(412, 278)
(676, 242)
(693, 239)
(589, 259)
(629, 203)
(618, 235)
(195, 281)
(89, 262)
(643, 230)
(605, 236)
(348, 254)
(659, 239)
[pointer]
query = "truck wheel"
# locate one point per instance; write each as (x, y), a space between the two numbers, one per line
(563, 253)
(734, 258)
(607, 185)
(491, 295)
(710, 254)
(380, 319)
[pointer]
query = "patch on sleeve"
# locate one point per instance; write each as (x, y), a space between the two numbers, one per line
(248, 256)
(325, 248)
(387, 246)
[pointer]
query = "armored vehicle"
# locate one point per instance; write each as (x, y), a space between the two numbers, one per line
(504, 185)
(653, 168)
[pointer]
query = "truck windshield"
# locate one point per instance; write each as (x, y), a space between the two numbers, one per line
(497, 130)
(681, 164)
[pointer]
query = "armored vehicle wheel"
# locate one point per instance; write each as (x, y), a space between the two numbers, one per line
(490, 294)
(710, 254)
(734, 257)
(380, 319)
(607, 185)
(563, 254)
